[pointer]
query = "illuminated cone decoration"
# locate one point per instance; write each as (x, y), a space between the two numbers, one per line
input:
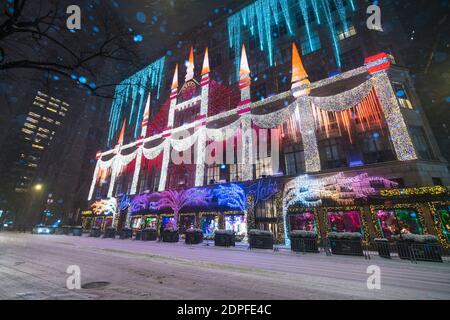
(244, 82)
(190, 66)
(122, 133)
(205, 69)
(145, 118)
(174, 88)
(244, 71)
(299, 75)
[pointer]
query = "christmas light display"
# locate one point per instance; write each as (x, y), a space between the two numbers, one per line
(104, 206)
(176, 200)
(137, 85)
(231, 196)
(420, 191)
(259, 17)
(341, 189)
(400, 137)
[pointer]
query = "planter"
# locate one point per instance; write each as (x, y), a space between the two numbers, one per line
(95, 232)
(260, 239)
(304, 241)
(149, 234)
(419, 247)
(346, 243)
(171, 235)
(126, 233)
(138, 235)
(383, 247)
(110, 233)
(224, 238)
(77, 231)
(66, 230)
(193, 236)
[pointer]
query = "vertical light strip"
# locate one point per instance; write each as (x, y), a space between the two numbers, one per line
(137, 170)
(94, 180)
(165, 165)
(306, 122)
(398, 130)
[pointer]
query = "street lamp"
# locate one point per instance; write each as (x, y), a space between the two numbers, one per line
(38, 187)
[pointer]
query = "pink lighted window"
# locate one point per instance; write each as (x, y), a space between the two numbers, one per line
(345, 221)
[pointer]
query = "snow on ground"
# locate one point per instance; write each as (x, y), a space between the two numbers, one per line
(34, 267)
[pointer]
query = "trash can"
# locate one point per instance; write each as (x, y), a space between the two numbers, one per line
(171, 235)
(149, 234)
(224, 238)
(77, 231)
(193, 236)
(95, 232)
(126, 233)
(110, 233)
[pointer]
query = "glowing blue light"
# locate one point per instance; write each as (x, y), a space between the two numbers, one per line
(223, 166)
(74, 76)
(92, 85)
(141, 17)
(259, 17)
(149, 77)
(55, 77)
(400, 93)
(82, 79)
(138, 38)
(376, 135)
(96, 29)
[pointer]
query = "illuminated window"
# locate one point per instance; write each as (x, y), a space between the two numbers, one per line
(64, 109)
(235, 172)
(402, 95)
(29, 125)
(62, 113)
(36, 146)
(38, 104)
(43, 130)
(344, 34)
(32, 120)
(34, 115)
(213, 174)
(50, 109)
(57, 123)
(27, 131)
(264, 167)
(44, 136)
(48, 119)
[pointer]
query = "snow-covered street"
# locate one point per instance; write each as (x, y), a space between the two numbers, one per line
(34, 267)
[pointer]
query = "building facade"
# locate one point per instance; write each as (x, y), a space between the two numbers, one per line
(298, 118)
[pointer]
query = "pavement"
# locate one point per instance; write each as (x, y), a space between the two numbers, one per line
(34, 267)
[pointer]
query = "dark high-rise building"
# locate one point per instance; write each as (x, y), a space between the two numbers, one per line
(42, 123)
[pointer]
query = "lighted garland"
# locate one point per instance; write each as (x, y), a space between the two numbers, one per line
(304, 115)
(225, 132)
(445, 242)
(399, 134)
(420, 191)
(345, 100)
(184, 143)
(274, 119)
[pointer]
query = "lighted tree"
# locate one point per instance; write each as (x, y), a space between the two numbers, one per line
(176, 200)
